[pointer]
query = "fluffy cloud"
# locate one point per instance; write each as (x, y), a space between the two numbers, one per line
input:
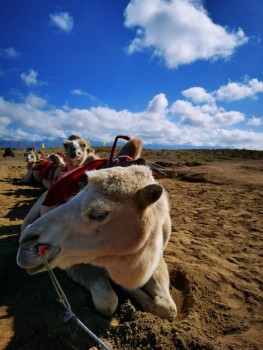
(184, 123)
(9, 53)
(237, 91)
(179, 31)
(30, 78)
(205, 115)
(198, 95)
(231, 92)
(62, 20)
(254, 121)
(34, 101)
(158, 104)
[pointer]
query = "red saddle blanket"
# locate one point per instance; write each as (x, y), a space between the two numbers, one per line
(70, 184)
(41, 165)
(45, 171)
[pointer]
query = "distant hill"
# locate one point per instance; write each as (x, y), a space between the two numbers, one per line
(37, 144)
(59, 144)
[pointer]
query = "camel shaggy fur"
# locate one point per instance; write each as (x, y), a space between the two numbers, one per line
(78, 152)
(120, 221)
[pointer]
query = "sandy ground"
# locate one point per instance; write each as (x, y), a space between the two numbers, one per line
(214, 258)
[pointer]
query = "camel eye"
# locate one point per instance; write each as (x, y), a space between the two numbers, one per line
(99, 216)
(82, 145)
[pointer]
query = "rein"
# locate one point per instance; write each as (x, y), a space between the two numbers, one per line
(64, 301)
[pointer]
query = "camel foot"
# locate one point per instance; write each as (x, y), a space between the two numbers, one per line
(159, 306)
(105, 299)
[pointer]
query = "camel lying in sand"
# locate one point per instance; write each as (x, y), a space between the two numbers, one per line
(77, 152)
(33, 159)
(45, 171)
(120, 221)
(93, 278)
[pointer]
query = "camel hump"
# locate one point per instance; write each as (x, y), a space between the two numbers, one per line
(132, 148)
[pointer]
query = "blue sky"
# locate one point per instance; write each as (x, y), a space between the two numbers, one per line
(177, 73)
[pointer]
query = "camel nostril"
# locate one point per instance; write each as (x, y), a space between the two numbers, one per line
(29, 241)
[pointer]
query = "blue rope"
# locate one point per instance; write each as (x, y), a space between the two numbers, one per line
(63, 300)
(68, 315)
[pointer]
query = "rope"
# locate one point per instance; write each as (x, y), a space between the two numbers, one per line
(159, 169)
(63, 299)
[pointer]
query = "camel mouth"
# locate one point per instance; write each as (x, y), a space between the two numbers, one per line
(35, 270)
(43, 266)
(75, 155)
(30, 259)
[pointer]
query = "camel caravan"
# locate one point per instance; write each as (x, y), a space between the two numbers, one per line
(48, 170)
(44, 171)
(104, 219)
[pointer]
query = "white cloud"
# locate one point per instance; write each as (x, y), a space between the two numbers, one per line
(30, 78)
(83, 93)
(237, 91)
(254, 121)
(34, 101)
(204, 115)
(199, 122)
(179, 31)
(62, 20)
(158, 104)
(9, 53)
(198, 95)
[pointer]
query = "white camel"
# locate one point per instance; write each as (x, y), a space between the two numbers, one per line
(33, 159)
(120, 221)
(45, 171)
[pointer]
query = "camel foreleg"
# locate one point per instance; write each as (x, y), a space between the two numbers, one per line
(28, 177)
(154, 296)
(96, 280)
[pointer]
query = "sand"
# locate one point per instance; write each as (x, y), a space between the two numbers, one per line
(215, 259)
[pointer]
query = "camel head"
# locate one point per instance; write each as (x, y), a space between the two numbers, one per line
(116, 222)
(31, 157)
(77, 150)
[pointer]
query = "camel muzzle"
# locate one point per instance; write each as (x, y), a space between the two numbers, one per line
(29, 240)
(29, 253)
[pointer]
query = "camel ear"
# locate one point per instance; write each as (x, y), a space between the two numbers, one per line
(148, 195)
